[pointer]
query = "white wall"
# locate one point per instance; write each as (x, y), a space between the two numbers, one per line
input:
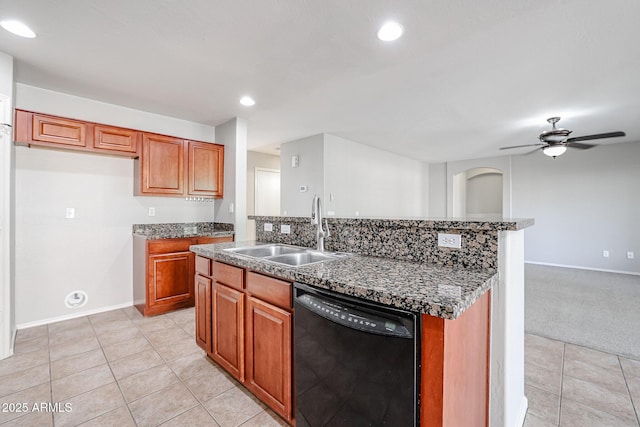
(232, 208)
(353, 179)
(583, 202)
(92, 252)
(437, 190)
(362, 180)
(310, 172)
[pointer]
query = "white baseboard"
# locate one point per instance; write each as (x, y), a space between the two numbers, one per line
(72, 316)
(633, 273)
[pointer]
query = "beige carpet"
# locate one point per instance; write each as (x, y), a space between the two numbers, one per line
(589, 308)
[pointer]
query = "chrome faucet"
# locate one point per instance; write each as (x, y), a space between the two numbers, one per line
(316, 219)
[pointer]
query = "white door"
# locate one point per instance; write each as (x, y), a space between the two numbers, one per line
(266, 197)
(267, 192)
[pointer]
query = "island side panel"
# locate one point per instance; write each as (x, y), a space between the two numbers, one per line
(508, 402)
(454, 389)
(466, 366)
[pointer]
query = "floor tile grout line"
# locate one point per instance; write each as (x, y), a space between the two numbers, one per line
(564, 352)
(633, 403)
(53, 418)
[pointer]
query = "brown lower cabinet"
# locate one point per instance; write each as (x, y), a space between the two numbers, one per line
(163, 272)
(244, 321)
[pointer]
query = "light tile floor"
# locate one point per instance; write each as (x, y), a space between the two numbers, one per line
(568, 385)
(121, 369)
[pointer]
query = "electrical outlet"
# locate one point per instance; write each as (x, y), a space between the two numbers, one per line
(630, 255)
(190, 230)
(285, 229)
(605, 254)
(152, 211)
(268, 227)
(70, 213)
(449, 240)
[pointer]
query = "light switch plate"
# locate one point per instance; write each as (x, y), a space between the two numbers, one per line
(268, 227)
(70, 213)
(285, 229)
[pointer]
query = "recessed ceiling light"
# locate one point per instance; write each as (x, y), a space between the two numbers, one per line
(247, 101)
(18, 28)
(390, 31)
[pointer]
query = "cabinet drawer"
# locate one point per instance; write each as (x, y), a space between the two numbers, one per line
(115, 139)
(59, 131)
(167, 246)
(203, 266)
(272, 290)
(228, 275)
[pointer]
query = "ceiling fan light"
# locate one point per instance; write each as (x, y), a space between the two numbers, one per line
(554, 150)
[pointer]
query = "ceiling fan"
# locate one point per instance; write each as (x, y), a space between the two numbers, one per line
(554, 142)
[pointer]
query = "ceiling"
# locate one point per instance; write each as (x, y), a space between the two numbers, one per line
(465, 79)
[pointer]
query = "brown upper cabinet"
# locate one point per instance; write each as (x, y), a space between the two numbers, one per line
(176, 167)
(161, 168)
(205, 168)
(60, 132)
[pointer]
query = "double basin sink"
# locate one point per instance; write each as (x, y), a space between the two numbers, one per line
(292, 256)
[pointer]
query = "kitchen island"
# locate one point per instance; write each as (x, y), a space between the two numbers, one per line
(398, 263)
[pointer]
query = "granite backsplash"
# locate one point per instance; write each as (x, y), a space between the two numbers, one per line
(407, 240)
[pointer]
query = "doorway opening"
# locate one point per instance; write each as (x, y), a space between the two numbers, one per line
(266, 196)
(478, 192)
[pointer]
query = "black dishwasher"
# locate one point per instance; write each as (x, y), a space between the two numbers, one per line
(356, 363)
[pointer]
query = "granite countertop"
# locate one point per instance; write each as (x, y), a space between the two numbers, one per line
(182, 230)
(438, 291)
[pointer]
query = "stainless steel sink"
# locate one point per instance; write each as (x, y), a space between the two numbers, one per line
(266, 250)
(303, 258)
(292, 256)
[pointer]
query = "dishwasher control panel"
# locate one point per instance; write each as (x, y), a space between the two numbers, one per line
(350, 316)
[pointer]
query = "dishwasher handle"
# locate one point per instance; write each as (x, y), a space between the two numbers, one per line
(349, 315)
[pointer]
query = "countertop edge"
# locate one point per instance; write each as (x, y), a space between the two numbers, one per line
(170, 235)
(480, 223)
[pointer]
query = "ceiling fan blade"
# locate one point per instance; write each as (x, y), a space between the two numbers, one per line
(520, 146)
(580, 146)
(596, 136)
(532, 151)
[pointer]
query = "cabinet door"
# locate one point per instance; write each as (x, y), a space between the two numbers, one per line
(205, 169)
(228, 329)
(162, 165)
(115, 139)
(170, 284)
(269, 355)
(56, 130)
(203, 312)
